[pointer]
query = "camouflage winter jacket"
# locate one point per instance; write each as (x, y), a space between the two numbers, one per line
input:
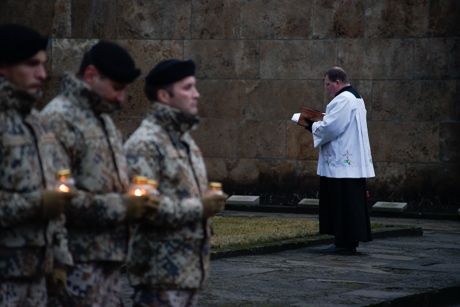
(96, 220)
(172, 252)
(29, 157)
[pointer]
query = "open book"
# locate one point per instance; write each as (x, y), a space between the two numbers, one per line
(307, 116)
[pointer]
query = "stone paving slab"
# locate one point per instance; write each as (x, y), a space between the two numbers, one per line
(399, 271)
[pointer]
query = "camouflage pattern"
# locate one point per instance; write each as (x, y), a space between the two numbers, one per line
(90, 284)
(29, 156)
(23, 293)
(172, 252)
(96, 218)
(172, 298)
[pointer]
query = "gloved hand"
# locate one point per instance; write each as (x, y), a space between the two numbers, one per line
(56, 281)
(53, 202)
(213, 204)
(143, 207)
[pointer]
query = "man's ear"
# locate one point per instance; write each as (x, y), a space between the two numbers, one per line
(163, 96)
(90, 74)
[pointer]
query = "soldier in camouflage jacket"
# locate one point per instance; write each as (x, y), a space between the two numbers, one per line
(97, 218)
(169, 258)
(32, 232)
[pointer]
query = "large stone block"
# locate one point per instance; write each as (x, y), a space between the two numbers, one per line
(261, 139)
(216, 137)
(279, 99)
(389, 206)
(392, 19)
(217, 19)
(62, 21)
(224, 59)
(444, 17)
(243, 200)
(222, 98)
(344, 19)
(35, 14)
(148, 53)
(299, 143)
(449, 142)
(365, 89)
(136, 103)
(291, 21)
(436, 182)
(404, 141)
(437, 58)
(161, 19)
(376, 59)
(296, 59)
(414, 100)
(94, 19)
(389, 177)
(67, 54)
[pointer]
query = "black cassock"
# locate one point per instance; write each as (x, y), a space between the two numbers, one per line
(343, 210)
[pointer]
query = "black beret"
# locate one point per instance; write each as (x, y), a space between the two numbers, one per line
(170, 71)
(18, 43)
(114, 62)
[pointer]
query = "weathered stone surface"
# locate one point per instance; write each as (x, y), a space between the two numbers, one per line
(224, 59)
(404, 141)
(277, 175)
(296, 59)
(246, 170)
(94, 19)
(67, 54)
(280, 99)
(444, 17)
(307, 178)
(389, 176)
(344, 19)
(221, 98)
(136, 103)
(218, 19)
(62, 21)
(261, 139)
(376, 59)
(309, 203)
(414, 101)
(385, 19)
(292, 19)
(35, 14)
(216, 137)
(51, 88)
(437, 58)
(161, 19)
(389, 206)
(299, 143)
(243, 200)
(148, 53)
(449, 142)
(438, 182)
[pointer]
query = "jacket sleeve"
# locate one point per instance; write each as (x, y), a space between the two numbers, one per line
(18, 208)
(144, 159)
(88, 208)
(338, 116)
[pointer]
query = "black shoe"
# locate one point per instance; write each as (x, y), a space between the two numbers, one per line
(339, 250)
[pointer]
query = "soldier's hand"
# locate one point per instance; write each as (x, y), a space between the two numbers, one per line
(54, 202)
(56, 281)
(143, 207)
(213, 204)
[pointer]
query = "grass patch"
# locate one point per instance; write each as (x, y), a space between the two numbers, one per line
(235, 232)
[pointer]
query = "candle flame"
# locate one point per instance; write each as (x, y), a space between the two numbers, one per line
(63, 188)
(139, 192)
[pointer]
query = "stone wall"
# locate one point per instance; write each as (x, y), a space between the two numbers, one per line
(259, 61)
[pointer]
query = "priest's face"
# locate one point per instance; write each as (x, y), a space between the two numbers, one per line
(27, 75)
(333, 87)
(185, 96)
